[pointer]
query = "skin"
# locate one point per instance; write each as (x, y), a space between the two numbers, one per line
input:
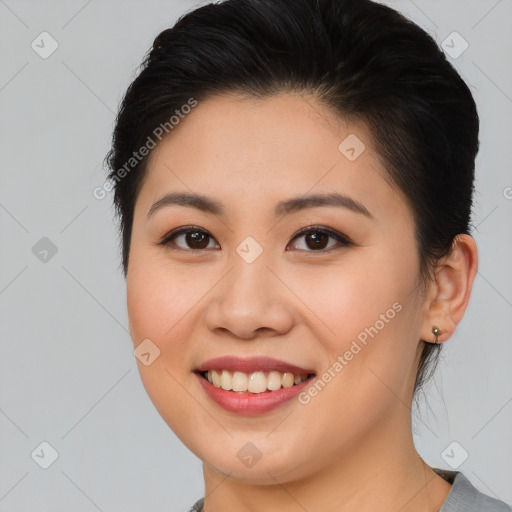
(351, 447)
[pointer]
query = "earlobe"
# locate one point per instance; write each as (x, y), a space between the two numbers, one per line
(450, 293)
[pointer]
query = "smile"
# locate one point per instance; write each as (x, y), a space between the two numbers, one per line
(251, 386)
(256, 382)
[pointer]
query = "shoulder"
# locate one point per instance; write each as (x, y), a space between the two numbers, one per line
(465, 497)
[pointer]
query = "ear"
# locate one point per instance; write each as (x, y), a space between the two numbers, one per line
(448, 295)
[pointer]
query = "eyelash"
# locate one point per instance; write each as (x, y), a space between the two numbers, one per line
(340, 238)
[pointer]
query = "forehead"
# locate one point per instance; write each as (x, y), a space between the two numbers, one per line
(247, 148)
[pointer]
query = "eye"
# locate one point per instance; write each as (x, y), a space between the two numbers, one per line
(316, 238)
(191, 237)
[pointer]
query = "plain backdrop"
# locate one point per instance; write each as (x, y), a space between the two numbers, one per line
(68, 376)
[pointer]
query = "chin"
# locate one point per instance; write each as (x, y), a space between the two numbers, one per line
(247, 465)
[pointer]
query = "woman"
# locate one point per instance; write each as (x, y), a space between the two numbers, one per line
(294, 183)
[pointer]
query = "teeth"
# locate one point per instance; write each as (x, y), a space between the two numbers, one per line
(215, 378)
(239, 381)
(287, 380)
(274, 381)
(256, 382)
(226, 380)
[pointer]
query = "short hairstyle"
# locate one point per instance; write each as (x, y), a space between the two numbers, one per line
(363, 60)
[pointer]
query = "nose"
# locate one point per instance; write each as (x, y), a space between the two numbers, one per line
(250, 301)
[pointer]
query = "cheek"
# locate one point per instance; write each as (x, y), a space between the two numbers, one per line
(349, 298)
(369, 355)
(160, 302)
(365, 318)
(161, 305)
(159, 297)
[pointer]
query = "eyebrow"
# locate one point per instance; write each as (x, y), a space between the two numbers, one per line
(210, 205)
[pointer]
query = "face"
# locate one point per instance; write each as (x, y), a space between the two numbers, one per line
(277, 279)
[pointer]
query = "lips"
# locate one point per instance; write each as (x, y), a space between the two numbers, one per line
(252, 399)
(250, 365)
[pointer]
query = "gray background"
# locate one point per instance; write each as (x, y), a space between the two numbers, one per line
(67, 371)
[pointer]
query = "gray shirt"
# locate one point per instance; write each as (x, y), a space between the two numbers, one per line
(463, 496)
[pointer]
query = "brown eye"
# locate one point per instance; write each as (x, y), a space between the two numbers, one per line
(197, 239)
(317, 240)
(189, 238)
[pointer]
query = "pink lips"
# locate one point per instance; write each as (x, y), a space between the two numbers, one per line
(253, 364)
(246, 403)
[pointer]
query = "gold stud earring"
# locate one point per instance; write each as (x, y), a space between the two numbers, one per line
(436, 331)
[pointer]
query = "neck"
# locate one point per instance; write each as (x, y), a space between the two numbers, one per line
(384, 473)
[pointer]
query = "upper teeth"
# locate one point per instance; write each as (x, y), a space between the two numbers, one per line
(256, 382)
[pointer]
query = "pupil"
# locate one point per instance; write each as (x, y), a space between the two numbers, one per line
(200, 240)
(317, 238)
